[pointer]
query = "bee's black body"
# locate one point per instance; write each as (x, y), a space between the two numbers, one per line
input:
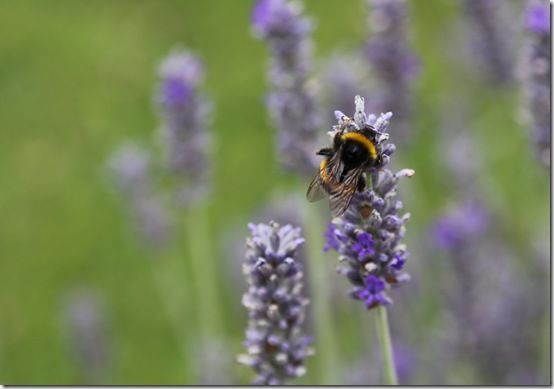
(341, 172)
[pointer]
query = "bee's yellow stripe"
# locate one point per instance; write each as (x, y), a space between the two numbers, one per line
(356, 136)
(323, 170)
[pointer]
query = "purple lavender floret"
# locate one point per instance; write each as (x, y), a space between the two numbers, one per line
(368, 236)
(185, 120)
(537, 70)
(275, 344)
(292, 102)
(372, 295)
(391, 58)
(488, 39)
(537, 18)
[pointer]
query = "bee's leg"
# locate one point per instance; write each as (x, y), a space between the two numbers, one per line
(361, 183)
(327, 152)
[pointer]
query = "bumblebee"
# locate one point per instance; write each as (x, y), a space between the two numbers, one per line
(341, 172)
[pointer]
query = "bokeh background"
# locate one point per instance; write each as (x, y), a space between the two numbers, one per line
(81, 297)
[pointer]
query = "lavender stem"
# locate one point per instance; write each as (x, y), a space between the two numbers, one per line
(168, 276)
(384, 338)
(203, 271)
(322, 315)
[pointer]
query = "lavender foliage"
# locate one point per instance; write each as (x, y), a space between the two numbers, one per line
(488, 38)
(537, 72)
(275, 344)
(185, 120)
(130, 168)
(368, 236)
(292, 102)
(393, 62)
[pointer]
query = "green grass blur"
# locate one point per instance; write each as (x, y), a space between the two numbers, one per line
(76, 79)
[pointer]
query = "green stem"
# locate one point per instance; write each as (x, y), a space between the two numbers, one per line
(204, 272)
(169, 277)
(383, 335)
(326, 347)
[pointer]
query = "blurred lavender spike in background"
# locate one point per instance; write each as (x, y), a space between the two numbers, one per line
(394, 64)
(488, 38)
(368, 236)
(488, 300)
(346, 75)
(537, 71)
(185, 120)
(292, 101)
(130, 168)
(275, 344)
(461, 226)
(86, 326)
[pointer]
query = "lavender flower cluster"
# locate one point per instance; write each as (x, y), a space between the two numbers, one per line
(368, 236)
(292, 103)
(275, 344)
(537, 76)
(185, 114)
(391, 59)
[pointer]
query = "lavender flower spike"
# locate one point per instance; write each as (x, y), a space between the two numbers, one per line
(488, 39)
(292, 102)
(185, 115)
(276, 347)
(368, 236)
(537, 70)
(131, 172)
(391, 59)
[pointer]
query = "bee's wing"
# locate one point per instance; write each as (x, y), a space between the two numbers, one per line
(315, 190)
(335, 166)
(341, 196)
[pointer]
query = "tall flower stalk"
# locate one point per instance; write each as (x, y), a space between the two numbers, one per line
(275, 343)
(368, 236)
(295, 112)
(537, 72)
(185, 114)
(131, 170)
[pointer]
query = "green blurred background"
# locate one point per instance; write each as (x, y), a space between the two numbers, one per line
(77, 78)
